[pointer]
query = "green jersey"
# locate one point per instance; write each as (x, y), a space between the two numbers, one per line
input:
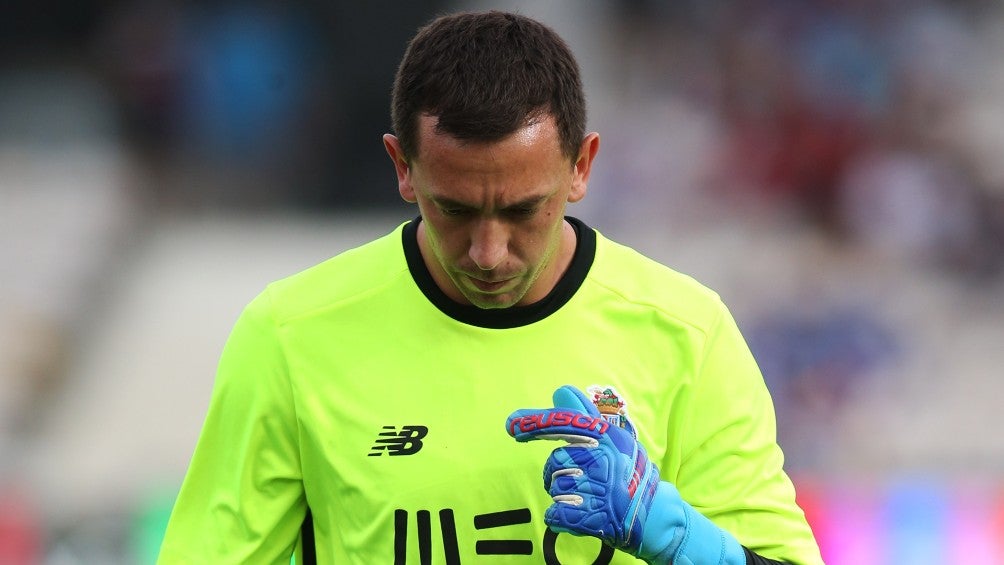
(359, 415)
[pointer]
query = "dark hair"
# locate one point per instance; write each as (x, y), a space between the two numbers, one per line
(486, 75)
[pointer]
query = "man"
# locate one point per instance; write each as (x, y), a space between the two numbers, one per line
(365, 409)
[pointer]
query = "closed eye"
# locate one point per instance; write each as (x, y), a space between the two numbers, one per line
(521, 211)
(518, 211)
(454, 211)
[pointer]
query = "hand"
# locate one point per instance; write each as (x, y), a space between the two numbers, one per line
(604, 485)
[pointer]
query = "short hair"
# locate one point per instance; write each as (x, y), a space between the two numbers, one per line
(486, 75)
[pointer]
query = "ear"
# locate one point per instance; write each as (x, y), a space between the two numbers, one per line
(583, 166)
(401, 167)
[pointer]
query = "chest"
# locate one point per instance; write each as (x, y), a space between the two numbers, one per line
(404, 448)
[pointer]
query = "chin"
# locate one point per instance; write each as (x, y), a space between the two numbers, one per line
(491, 303)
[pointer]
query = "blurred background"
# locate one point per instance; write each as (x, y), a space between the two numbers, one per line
(834, 168)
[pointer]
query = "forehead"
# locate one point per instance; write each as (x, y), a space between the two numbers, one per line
(539, 136)
(528, 165)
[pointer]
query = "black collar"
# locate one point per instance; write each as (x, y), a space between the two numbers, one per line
(515, 316)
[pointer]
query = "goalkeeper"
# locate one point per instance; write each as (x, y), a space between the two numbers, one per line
(358, 409)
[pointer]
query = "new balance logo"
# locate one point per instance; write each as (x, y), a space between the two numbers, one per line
(408, 441)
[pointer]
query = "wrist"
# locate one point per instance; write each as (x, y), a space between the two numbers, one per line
(676, 533)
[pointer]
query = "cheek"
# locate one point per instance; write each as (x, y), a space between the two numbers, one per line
(446, 242)
(542, 236)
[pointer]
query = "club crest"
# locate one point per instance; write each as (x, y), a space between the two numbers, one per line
(612, 408)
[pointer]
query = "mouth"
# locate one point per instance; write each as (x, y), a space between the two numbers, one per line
(488, 286)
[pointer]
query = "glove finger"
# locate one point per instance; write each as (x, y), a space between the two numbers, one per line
(556, 424)
(567, 396)
(566, 486)
(580, 464)
(586, 519)
(576, 488)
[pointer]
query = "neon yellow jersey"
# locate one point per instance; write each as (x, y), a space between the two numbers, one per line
(356, 394)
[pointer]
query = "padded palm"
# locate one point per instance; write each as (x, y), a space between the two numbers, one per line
(602, 482)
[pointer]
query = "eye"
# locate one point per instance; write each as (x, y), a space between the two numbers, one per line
(453, 211)
(521, 211)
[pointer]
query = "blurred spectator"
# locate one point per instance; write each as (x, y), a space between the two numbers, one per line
(910, 206)
(217, 98)
(248, 71)
(142, 55)
(261, 103)
(801, 81)
(814, 356)
(63, 206)
(21, 528)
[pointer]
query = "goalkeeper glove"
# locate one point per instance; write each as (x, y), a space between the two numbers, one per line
(604, 485)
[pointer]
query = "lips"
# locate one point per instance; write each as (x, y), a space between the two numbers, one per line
(488, 286)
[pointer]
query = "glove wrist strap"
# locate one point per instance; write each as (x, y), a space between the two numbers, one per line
(686, 538)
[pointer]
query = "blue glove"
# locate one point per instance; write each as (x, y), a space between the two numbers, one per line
(604, 485)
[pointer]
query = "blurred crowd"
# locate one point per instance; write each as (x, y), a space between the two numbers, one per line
(873, 121)
(835, 168)
(867, 131)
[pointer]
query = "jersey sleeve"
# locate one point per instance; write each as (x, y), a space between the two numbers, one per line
(242, 499)
(731, 467)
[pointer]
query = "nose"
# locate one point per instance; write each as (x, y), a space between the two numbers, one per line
(489, 244)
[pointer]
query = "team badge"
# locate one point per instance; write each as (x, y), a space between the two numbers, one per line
(612, 408)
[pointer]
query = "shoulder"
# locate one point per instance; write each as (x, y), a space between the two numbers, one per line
(359, 271)
(636, 279)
